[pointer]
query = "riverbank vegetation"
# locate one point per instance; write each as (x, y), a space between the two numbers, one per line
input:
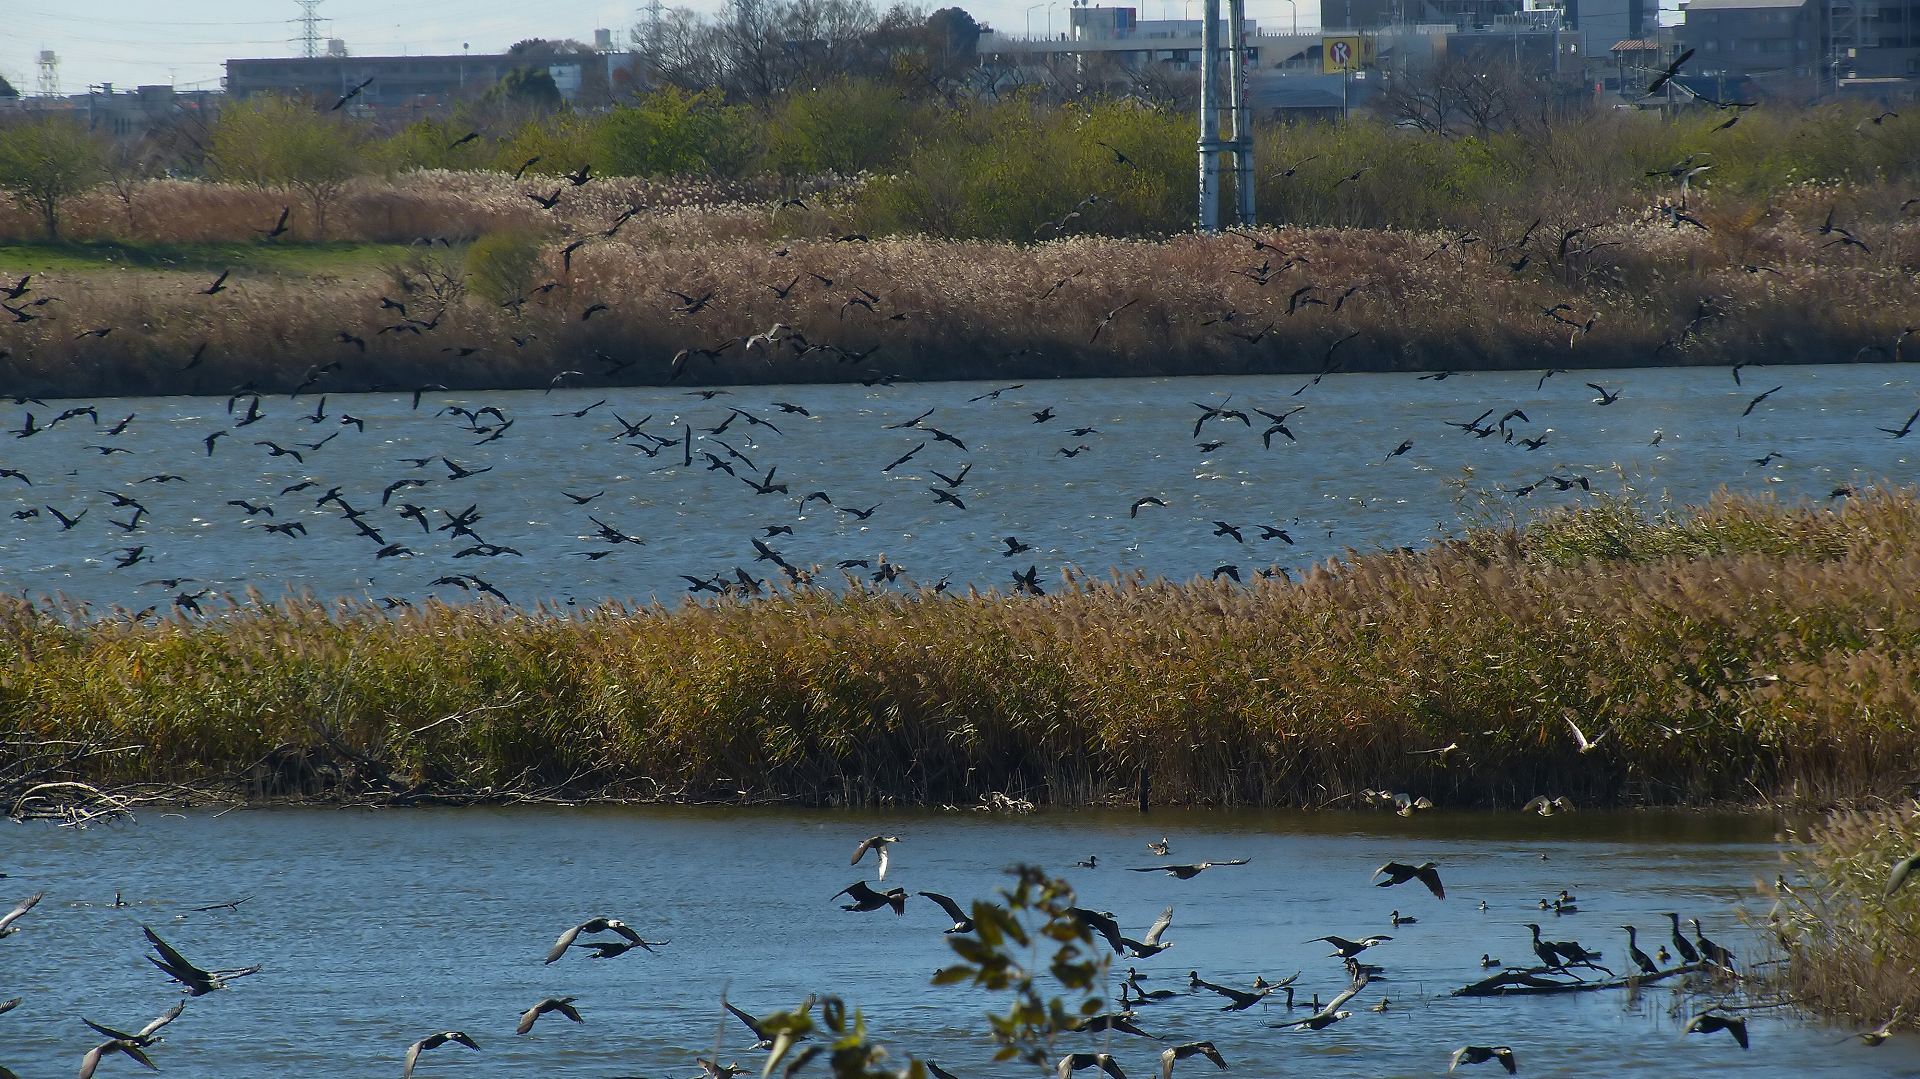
(1744, 652)
(514, 309)
(1852, 940)
(920, 235)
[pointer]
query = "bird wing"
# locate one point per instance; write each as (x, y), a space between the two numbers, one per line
(947, 904)
(107, 1032)
(1159, 926)
(27, 904)
(413, 1057)
(859, 892)
(1110, 1066)
(526, 1019)
(1458, 1055)
(1101, 924)
(860, 851)
(1579, 735)
(175, 962)
(624, 930)
(883, 850)
(753, 1025)
(1397, 869)
(1431, 878)
(560, 946)
(1345, 995)
(1902, 869)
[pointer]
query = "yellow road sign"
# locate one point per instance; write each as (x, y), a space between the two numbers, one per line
(1339, 54)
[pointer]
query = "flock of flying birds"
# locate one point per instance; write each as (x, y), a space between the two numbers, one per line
(425, 494)
(418, 511)
(1554, 965)
(280, 491)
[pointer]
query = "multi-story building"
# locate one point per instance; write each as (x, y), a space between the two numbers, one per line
(1876, 39)
(398, 82)
(1772, 42)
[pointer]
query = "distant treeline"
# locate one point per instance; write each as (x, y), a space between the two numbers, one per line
(1014, 169)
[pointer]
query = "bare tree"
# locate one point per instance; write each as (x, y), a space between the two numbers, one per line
(1456, 96)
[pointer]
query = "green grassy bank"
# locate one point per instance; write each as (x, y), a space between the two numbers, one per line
(1745, 652)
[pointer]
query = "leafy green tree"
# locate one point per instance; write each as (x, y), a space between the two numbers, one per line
(555, 144)
(955, 30)
(672, 131)
(845, 126)
(529, 87)
(427, 144)
(6, 89)
(46, 161)
(278, 142)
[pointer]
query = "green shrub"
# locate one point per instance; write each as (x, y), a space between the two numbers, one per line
(502, 266)
(673, 131)
(845, 127)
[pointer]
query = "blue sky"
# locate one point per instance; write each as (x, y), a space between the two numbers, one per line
(183, 42)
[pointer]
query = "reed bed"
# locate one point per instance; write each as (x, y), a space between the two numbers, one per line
(976, 309)
(406, 207)
(1852, 947)
(1743, 652)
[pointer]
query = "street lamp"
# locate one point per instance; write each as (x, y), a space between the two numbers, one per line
(1030, 12)
(1295, 8)
(1050, 8)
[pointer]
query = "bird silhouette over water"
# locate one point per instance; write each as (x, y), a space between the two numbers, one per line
(599, 925)
(1185, 872)
(562, 1005)
(961, 922)
(435, 1041)
(198, 982)
(865, 898)
(1400, 873)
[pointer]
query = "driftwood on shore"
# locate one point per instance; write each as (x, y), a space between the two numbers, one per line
(1545, 980)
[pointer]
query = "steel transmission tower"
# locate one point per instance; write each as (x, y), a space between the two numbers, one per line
(309, 20)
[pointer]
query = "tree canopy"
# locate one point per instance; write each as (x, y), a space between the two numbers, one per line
(47, 160)
(275, 141)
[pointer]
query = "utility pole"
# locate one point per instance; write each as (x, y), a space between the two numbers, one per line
(1241, 128)
(1239, 139)
(1209, 116)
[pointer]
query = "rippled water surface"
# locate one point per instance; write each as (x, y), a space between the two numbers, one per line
(374, 929)
(1674, 432)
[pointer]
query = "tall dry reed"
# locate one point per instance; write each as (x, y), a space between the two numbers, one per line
(1748, 651)
(1853, 948)
(1631, 293)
